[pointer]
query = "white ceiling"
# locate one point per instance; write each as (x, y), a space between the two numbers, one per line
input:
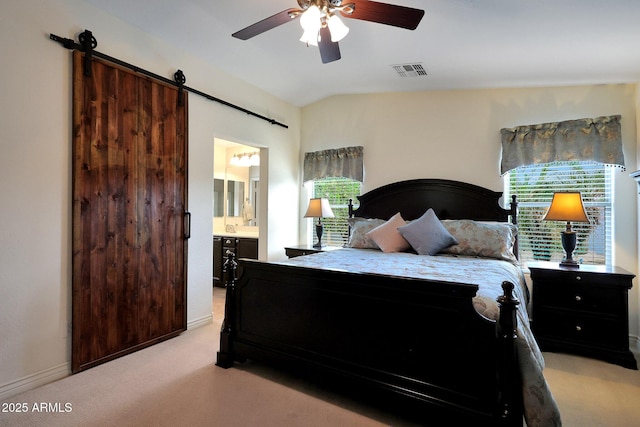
(463, 44)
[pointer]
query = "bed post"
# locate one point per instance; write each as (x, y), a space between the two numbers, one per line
(225, 355)
(513, 207)
(510, 402)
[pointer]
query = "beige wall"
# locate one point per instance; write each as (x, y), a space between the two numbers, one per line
(35, 179)
(456, 135)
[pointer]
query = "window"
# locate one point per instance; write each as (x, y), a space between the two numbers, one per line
(338, 191)
(534, 186)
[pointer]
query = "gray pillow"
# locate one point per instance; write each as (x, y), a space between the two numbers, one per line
(427, 235)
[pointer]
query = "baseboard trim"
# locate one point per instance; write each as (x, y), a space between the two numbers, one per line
(34, 380)
(634, 343)
(47, 376)
(202, 321)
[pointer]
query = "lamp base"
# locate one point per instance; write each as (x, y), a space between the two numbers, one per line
(319, 230)
(569, 240)
(571, 263)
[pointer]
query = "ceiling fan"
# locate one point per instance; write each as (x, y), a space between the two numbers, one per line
(323, 27)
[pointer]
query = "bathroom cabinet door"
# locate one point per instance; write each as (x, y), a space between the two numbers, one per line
(247, 248)
(217, 262)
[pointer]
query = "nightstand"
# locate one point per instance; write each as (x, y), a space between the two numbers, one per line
(582, 310)
(299, 250)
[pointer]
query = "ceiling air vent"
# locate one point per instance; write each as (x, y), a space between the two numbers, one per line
(410, 70)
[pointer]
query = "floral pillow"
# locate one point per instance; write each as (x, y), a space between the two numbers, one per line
(359, 229)
(482, 239)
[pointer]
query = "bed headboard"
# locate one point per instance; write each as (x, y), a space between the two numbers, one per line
(449, 200)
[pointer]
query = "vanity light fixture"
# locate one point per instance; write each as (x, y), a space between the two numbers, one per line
(245, 159)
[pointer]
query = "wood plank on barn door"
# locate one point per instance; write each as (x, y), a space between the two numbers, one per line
(129, 202)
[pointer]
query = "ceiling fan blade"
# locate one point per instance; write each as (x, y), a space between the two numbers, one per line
(267, 24)
(329, 51)
(384, 13)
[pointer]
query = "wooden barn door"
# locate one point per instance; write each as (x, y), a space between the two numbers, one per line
(129, 200)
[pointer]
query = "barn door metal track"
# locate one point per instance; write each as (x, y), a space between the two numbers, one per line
(88, 43)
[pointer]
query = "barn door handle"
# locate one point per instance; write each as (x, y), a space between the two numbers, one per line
(187, 225)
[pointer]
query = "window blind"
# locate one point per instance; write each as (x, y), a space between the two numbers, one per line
(338, 191)
(534, 186)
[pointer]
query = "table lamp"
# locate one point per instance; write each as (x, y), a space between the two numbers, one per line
(319, 208)
(567, 206)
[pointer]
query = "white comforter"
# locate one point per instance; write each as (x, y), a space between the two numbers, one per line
(540, 406)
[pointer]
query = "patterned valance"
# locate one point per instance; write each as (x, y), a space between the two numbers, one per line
(339, 162)
(598, 140)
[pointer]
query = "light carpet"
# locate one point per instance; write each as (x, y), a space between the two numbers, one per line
(176, 383)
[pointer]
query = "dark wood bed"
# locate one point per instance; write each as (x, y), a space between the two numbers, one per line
(416, 339)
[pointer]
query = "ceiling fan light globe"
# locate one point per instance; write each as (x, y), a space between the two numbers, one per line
(310, 19)
(337, 28)
(310, 38)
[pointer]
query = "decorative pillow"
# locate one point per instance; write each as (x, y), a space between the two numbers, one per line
(482, 239)
(359, 229)
(427, 235)
(387, 236)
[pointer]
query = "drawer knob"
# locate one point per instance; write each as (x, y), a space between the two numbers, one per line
(578, 298)
(578, 278)
(578, 328)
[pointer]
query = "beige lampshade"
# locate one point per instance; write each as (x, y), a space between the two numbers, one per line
(319, 208)
(567, 206)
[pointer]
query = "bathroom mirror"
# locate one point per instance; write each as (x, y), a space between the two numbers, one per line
(218, 198)
(235, 197)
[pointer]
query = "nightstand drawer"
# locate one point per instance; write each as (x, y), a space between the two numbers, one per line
(579, 296)
(585, 276)
(578, 328)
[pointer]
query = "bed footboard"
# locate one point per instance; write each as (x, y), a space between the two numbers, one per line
(418, 339)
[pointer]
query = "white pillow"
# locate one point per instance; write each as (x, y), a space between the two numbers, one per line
(387, 236)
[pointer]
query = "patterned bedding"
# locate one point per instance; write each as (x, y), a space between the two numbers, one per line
(540, 406)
